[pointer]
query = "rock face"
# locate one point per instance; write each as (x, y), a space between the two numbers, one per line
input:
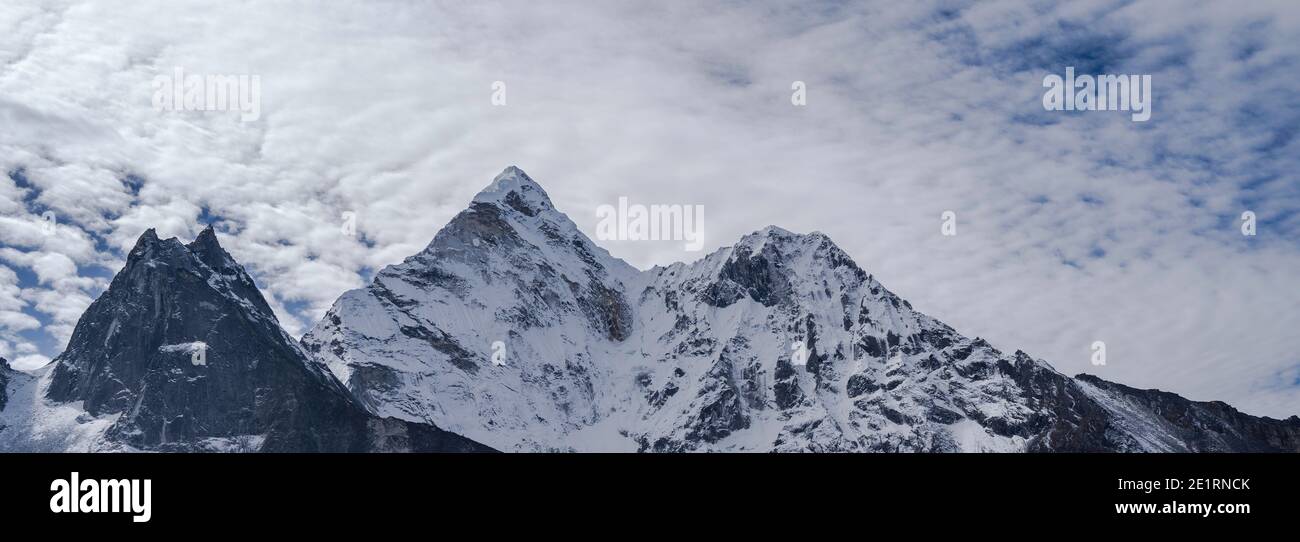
(1190, 426)
(6, 374)
(514, 329)
(182, 353)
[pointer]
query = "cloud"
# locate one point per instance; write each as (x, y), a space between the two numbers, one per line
(1073, 227)
(13, 318)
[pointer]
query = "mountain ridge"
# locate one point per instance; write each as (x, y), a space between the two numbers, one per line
(698, 356)
(512, 330)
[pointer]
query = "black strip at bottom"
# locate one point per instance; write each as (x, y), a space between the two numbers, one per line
(644, 494)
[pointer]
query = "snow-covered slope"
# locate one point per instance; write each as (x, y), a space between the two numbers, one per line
(31, 423)
(516, 330)
(182, 353)
(509, 270)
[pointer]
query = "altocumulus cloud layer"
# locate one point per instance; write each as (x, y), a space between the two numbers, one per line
(1072, 227)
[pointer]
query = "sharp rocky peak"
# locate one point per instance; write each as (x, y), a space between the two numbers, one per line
(514, 215)
(793, 253)
(203, 257)
(205, 243)
(788, 241)
(209, 250)
(150, 247)
(517, 190)
(182, 353)
(772, 232)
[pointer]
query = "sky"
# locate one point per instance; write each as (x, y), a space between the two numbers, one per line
(1071, 226)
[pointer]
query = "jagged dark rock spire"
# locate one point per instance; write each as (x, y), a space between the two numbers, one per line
(185, 351)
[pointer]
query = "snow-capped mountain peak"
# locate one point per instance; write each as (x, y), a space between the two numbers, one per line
(515, 329)
(515, 188)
